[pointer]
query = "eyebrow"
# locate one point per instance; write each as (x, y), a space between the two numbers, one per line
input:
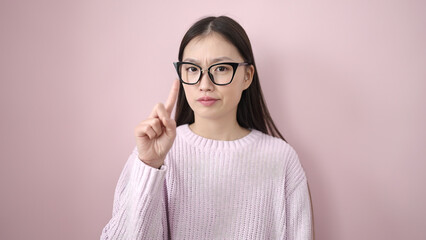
(214, 60)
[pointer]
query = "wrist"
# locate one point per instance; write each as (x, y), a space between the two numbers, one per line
(153, 164)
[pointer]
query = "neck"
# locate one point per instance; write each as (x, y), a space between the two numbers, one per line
(218, 129)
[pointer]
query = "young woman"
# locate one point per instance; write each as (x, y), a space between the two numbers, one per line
(225, 171)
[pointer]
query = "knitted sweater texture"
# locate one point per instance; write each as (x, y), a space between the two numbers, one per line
(250, 188)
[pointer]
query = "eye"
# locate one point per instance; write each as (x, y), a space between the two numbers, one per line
(222, 68)
(191, 69)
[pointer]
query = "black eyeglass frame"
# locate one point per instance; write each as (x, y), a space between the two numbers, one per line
(233, 64)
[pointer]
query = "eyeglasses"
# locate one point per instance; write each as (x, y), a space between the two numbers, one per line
(219, 73)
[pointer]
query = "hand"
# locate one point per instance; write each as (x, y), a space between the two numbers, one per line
(155, 135)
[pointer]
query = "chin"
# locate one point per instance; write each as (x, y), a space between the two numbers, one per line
(206, 115)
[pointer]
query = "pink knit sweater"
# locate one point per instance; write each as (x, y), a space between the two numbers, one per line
(250, 188)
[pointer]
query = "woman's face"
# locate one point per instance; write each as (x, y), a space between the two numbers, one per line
(206, 99)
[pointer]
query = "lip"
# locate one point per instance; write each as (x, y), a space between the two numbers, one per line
(207, 101)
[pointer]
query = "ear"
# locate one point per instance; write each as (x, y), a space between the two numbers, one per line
(248, 76)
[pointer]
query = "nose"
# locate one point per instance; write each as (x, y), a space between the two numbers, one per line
(206, 83)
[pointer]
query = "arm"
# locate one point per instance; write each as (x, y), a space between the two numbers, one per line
(299, 214)
(139, 208)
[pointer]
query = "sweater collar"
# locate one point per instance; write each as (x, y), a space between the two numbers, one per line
(201, 142)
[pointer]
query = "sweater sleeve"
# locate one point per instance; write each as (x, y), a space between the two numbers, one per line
(139, 210)
(298, 202)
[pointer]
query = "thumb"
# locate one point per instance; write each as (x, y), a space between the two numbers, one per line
(170, 125)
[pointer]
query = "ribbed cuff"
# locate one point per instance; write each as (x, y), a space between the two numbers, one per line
(145, 179)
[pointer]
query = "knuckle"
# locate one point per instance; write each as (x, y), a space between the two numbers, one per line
(145, 128)
(139, 130)
(155, 123)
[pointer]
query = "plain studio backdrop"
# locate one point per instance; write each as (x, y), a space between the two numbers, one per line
(345, 82)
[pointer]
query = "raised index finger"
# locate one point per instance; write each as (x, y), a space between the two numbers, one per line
(171, 100)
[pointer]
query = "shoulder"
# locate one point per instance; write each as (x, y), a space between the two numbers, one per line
(274, 144)
(276, 148)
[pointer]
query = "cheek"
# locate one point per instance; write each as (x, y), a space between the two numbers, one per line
(188, 94)
(235, 89)
(240, 82)
(189, 89)
(233, 97)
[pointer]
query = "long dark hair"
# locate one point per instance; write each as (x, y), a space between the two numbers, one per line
(252, 111)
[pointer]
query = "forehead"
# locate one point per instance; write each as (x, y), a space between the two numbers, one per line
(210, 46)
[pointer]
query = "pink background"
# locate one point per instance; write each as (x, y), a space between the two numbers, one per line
(344, 80)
